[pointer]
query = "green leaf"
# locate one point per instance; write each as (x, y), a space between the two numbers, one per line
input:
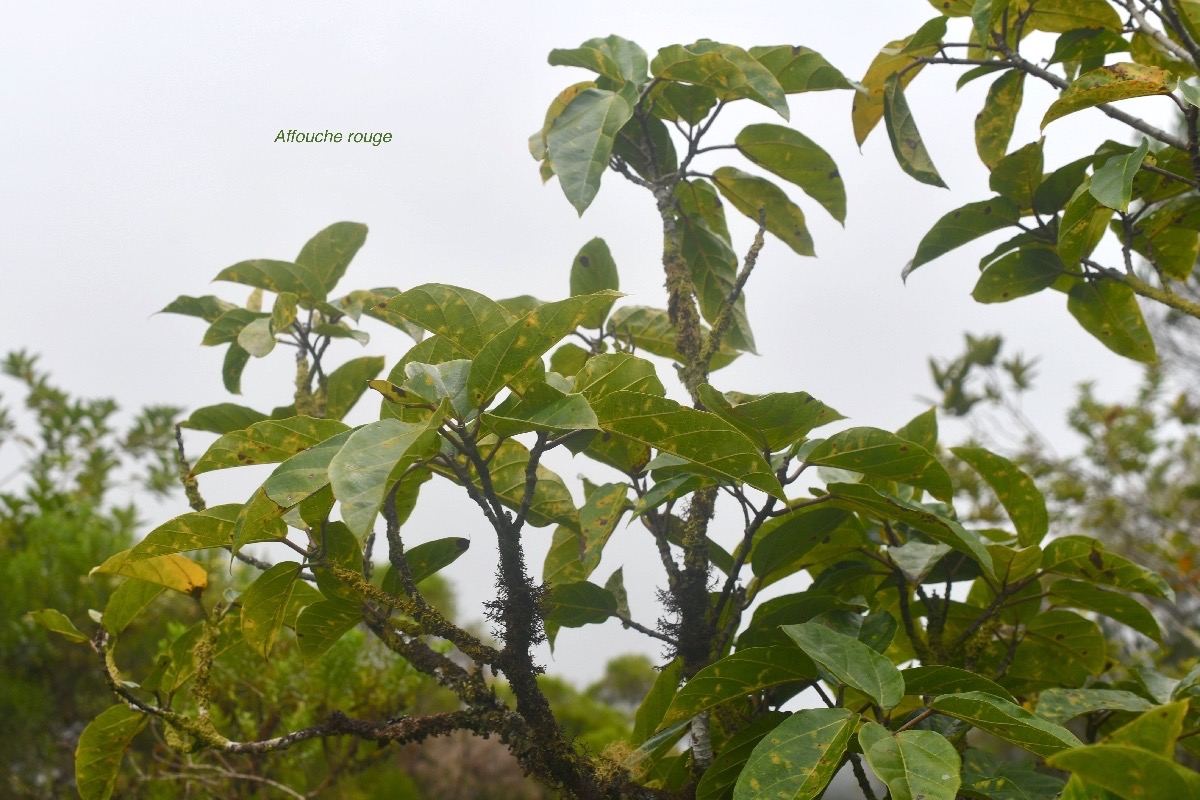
(1109, 311)
(1060, 16)
(1020, 273)
(436, 382)
(917, 559)
(102, 746)
(986, 776)
(574, 557)
(748, 670)
(552, 501)
(1109, 84)
(55, 621)
(922, 429)
(208, 308)
(881, 454)
(305, 473)
(773, 421)
(222, 418)
(1007, 721)
(464, 319)
(1080, 594)
(850, 661)
(650, 329)
(321, 624)
(898, 55)
(994, 124)
(573, 605)
(1017, 175)
(799, 69)
(232, 366)
(613, 57)
(429, 558)
(348, 383)
(524, 342)
(798, 758)
(260, 520)
(656, 702)
(372, 459)
(197, 530)
(1061, 705)
(226, 328)
(278, 277)
(751, 194)
(580, 142)
(266, 442)
(172, 571)
(1014, 489)
(906, 139)
(1112, 184)
(963, 225)
(794, 157)
(719, 779)
(864, 499)
(543, 408)
(608, 373)
(1060, 186)
(592, 271)
(129, 600)
(1156, 730)
(703, 439)
(939, 680)
(1060, 648)
(914, 765)
(1128, 771)
(783, 541)
(264, 604)
(714, 268)
(729, 71)
(328, 253)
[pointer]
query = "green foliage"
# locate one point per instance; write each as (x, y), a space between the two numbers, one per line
(890, 552)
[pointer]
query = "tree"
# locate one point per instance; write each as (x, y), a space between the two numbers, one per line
(990, 617)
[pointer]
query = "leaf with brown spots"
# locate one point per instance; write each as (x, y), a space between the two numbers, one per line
(748, 670)
(794, 157)
(797, 759)
(914, 765)
(1014, 489)
(1109, 311)
(1108, 84)
(749, 194)
(1084, 557)
(880, 454)
(267, 442)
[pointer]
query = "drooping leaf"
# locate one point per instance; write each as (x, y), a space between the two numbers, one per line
(222, 418)
(851, 662)
(1022, 272)
(197, 530)
(101, 748)
(994, 124)
(260, 520)
(1014, 489)
(898, 55)
(881, 454)
(735, 675)
(524, 342)
(751, 194)
(719, 779)
(1059, 648)
(704, 439)
(1007, 721)
(1109, 84)
(574, 557)
(277, 276)
(594, 270)
(264, 604)
(266, 442)
(656, 702)
(463, 318)
(985, 776)
(348, 383)
(552, 503)
(232, 365)
(580, 142)
(1112, 184)
(573, 605)
(55, 621)
(172, 571)
(794, 157)
(867, 500)
(906, 139)
(963, 225)
(305, 473)
(914, 765)
(729, 71)
(772, 421)
(1124, 609)
(1061, 705)
(714, 267)
(1017, 175)
(799, 757)
(374, 457)
(1083, 224)
(1128, 771)
(1109, 311)
(917, 559)
(799, 69)
(940, 680)
(321, 624)
(130, 599)
(429, 558)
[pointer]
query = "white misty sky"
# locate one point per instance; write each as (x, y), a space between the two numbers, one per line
(138, 161)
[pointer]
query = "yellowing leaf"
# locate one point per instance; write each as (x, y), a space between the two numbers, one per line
(172, 571)
(1107, 85)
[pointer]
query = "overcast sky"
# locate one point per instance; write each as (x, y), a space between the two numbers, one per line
(138, 161)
